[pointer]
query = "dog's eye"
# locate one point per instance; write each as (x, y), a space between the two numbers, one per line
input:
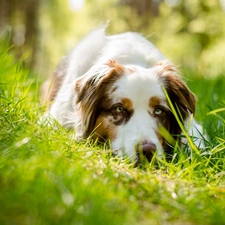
(119, 109)
(158, 111)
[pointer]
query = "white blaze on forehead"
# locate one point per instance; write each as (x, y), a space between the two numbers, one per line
(139, 86)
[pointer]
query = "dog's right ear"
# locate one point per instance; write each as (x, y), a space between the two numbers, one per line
(91, 81)
(91, 89)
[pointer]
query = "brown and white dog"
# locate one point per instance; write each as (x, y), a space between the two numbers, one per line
(113, 88)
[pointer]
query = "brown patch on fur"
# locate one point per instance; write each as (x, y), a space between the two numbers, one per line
(85, 90)
(127, 103)
(163, 119)
(154, 101)
(180, 95)
(103, 129)
(92, 95)
(117, 67)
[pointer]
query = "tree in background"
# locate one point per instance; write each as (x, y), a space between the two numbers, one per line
(189, 32)
(145, 9)
(192, 32)
(21, 17)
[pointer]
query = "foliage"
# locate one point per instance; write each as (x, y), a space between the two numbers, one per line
(48, 178)
(190, 33)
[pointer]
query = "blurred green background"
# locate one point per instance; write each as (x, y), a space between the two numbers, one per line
(191, 33)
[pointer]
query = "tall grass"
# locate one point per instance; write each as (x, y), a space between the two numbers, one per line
(48, 178)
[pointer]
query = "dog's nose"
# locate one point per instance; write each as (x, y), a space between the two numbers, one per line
(145, 148)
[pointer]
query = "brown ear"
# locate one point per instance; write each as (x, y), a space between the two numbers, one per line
(179, 93)
(89, 83)
(91, 90)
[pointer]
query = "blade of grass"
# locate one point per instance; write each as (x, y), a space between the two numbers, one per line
(174, 111)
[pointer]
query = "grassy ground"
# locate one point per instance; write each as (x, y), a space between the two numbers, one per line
(47, 178)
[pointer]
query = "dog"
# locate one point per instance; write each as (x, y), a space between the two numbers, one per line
(117, 88)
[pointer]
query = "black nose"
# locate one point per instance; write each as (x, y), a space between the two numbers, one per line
(146, 149)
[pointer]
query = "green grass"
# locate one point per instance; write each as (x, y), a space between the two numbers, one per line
(48, 178)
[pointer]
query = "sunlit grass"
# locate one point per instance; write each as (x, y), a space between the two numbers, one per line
(46, 177)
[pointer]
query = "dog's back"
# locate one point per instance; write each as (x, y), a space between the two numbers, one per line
(74, 64)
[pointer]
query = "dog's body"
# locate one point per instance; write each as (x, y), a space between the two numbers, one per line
(113, 87)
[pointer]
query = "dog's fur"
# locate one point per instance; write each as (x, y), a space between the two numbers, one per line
(113, 87)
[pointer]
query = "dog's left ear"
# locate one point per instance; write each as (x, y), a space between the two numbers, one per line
(91, 89)
(178, 92)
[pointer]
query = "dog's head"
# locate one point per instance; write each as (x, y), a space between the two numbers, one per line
(128, 105)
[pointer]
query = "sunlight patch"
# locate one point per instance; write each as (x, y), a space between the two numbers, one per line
(76, 5)
(22, 142)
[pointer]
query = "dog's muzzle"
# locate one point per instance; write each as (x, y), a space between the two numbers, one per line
(145, 149)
